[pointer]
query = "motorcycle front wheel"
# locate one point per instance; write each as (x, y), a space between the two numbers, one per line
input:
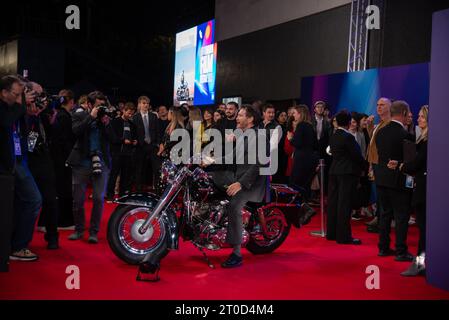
(124, 237)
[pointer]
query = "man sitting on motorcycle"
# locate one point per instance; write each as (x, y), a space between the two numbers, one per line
(241, 180)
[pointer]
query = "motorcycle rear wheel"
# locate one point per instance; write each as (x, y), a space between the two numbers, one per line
(125, 240)
(278, 228)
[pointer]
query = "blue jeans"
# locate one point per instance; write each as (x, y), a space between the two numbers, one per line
(27, 203)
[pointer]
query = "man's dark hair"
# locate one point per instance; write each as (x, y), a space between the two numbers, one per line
(93, 96)
(67, 94)
(267, 106)
(343, 118)
(6, 82)
(251, 112)
(233, 103)
(399, 107)
(129, 106)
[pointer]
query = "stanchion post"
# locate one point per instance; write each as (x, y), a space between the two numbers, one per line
(322, 231)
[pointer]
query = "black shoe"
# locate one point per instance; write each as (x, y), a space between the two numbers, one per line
(93, 239)
(406, 257)
(372, 229)
(386, 253)
(232, 261)
(52, 241)
(353, 241)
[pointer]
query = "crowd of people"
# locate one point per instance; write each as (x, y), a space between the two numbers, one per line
(52, 149)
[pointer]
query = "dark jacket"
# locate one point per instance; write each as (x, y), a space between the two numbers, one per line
(305, 158)
(347, 158)
(390, 146)
(118, 145)
(8, 116)
(246, 173)
(81, 124)
(418, 168)
(153, 126)
(323, 140)
(62, 138)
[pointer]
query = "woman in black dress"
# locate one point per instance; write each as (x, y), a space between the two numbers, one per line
(305, 158)
(176, 122)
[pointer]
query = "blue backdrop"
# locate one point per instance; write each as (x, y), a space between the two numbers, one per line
(359, 91)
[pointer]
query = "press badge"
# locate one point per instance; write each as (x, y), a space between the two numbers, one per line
(409, 182)
(32, 139)
(17, 147)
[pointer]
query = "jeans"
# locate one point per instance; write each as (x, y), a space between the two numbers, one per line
(81, 177)
(27, 203)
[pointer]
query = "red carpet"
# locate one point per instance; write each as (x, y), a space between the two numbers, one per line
(305, 267)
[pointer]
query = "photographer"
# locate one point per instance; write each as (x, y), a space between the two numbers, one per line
(62, 142)
(123, 145)
(90, 162)
(38, 121)
(14, 171)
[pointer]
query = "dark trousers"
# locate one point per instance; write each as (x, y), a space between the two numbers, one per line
(121, 166)
(420, 210)
(395, 204)
(81, 177)
(43, 172)
(27, 203)
(148, 165)
(64, 191)
(234, 207)
(6, 218)
(340, 195)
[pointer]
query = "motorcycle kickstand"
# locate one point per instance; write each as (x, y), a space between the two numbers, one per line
(209, 263)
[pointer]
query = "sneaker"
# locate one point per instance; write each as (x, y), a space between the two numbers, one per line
(23, 255)
(68, 228)
(41, 229)
(372, 222)
(76, 236)
(356, 216)
(93, 239)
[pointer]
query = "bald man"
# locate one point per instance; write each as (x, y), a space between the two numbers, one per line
(383, 111)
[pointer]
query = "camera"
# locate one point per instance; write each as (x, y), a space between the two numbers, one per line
(105, 111)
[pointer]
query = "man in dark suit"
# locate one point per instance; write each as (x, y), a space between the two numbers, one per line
(323, 129)
(244, 183)
(123, 143)
(148, 140)
(393, 194)
(344, 174)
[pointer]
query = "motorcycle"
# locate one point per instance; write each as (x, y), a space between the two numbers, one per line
(144, 227)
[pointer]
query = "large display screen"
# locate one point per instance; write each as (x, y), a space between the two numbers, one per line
(195, 65)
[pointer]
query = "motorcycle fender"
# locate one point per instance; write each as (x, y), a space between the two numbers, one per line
(147, 200)
(170, 220)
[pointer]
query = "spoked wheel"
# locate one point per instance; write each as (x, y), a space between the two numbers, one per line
(125, 239)
(277, 231)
